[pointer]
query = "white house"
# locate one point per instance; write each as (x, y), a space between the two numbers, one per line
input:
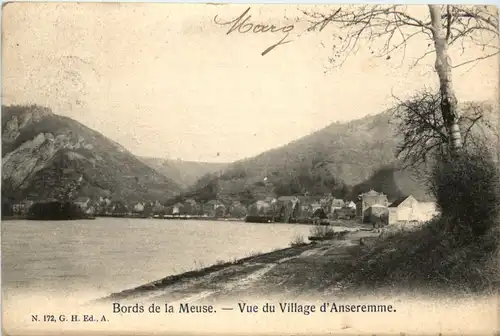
(351, 205)
(176, 210)
(337, 204)
(139, 207)
(403, 209)
(409, 209)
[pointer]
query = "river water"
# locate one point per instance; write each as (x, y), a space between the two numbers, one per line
(53, 267)
(97, 257)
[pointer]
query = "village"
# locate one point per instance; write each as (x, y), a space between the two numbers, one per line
(371, 207)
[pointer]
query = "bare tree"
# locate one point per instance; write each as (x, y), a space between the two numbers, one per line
(424, 130)
(396, 26)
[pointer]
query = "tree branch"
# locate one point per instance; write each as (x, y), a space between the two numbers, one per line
(476, 60)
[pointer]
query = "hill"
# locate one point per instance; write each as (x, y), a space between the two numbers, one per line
(184, 173)
(343, 159)
(42, 153)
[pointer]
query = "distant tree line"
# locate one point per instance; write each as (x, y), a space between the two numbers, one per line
(55, 211)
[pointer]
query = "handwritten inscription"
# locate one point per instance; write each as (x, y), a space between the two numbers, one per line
(243, 25)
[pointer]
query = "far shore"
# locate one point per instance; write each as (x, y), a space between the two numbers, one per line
(335, 223)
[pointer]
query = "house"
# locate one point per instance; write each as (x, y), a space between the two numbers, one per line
(22, 208)
(377, 213)
(262, 204)
(208, 208)
(118, 208)
(351, 205)
(286, 199)
(90, 210)
(317, 210)
(18, 208)
(262, 207)
(214, 208)
(236, 204)
(270, 199)
(307, 206)
(106, 201)
(82, 202)
(287, 208)
(219, 209)
(303, 208)
(177, 209)
(326, 203)
(191, 202)
(315, 206)
(405, 209)
(157, 208)
(139, 207)
(337, 204)
(367, 200)
(101, 205)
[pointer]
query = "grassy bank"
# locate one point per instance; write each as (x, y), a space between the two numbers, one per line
(429, 257)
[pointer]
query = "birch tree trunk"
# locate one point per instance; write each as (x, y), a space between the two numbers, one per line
(443, 68)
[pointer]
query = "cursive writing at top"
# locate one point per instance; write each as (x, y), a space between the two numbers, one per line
(242, 25)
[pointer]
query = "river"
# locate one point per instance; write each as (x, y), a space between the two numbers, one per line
(51, 267)
(93, 258)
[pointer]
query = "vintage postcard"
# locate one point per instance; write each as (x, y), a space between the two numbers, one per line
(250, 169)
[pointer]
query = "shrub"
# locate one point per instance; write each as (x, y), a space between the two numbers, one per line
(426, 258)
(467, 190)
(322, 231)
(298, 240)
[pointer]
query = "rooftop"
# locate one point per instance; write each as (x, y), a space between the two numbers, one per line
(397, 202)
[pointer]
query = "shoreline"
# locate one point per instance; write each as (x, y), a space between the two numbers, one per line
(221, 278)
(355, 263)
(332, 223)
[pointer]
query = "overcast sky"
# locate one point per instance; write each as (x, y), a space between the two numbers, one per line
(164, 80)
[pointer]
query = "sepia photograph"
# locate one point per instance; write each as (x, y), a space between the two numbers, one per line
(250, 169)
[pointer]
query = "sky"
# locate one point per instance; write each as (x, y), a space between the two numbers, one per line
(165, 80)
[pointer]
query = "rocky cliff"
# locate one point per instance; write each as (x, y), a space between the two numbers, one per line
(43, 152)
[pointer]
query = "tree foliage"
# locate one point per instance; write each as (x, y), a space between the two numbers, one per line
(467, 190)
(55, 211)
(7, 209)
(423, 130)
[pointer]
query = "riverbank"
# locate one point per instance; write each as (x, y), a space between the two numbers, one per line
(286, 271)
(419, 260)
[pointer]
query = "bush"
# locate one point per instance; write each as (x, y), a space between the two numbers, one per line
(321, 231)
(297, 240)
(427, 258)
(467, 190)
(324, 232)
